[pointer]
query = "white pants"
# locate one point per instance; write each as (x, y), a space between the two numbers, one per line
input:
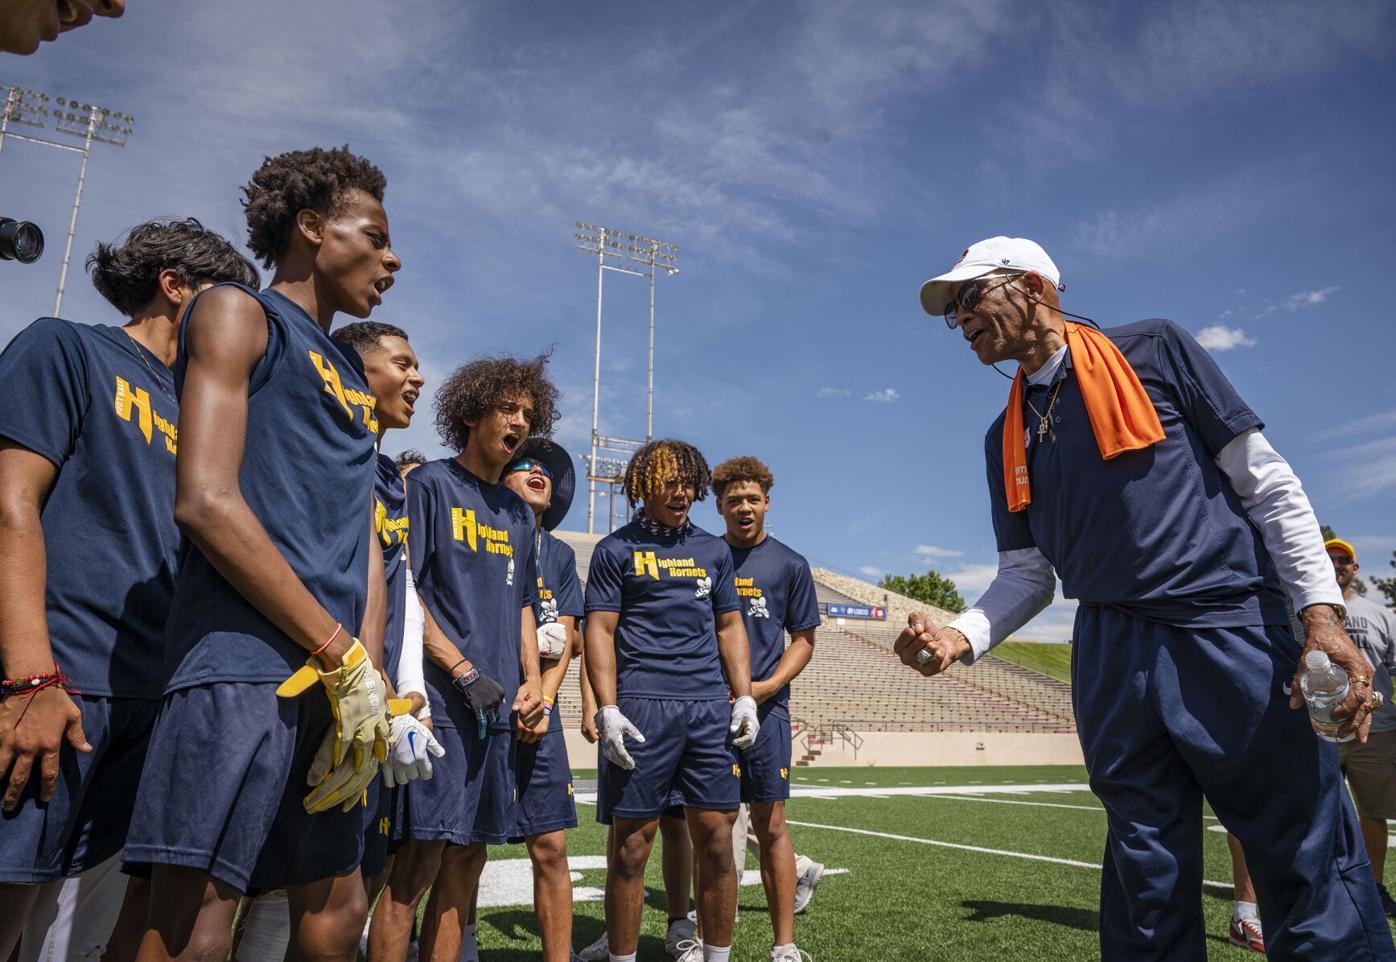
(73, 917)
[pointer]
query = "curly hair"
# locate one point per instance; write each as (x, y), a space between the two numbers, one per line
(477, 387)
(408, 458)
(364, 336)
(744, 468)
(129, 275)
(658, 463)
(316, 179)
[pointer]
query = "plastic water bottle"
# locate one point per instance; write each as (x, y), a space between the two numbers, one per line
(1325, 685)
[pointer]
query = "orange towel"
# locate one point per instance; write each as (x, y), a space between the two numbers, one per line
(1122, 416)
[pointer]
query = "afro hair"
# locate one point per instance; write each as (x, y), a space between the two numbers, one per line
(316, 179)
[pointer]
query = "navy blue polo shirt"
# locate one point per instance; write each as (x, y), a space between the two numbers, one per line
(473, 562)
(559, 591)
(307, 473)
(776, 592)
(668, 591)
(391, 525)
(1159, 533)
(102, 409)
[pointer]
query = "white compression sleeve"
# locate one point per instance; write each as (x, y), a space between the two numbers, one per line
(409, 667)
(1277, 505)
(1023, 586)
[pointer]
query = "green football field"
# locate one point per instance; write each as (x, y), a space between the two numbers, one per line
(1002, 863)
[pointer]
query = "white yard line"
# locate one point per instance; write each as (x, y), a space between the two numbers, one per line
(1052, 859)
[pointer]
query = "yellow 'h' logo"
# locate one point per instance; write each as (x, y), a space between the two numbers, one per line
(646, 564)
(463, 526)
(332, 384)
(126, 398)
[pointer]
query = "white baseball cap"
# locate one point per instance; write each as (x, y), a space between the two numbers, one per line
(985, 257)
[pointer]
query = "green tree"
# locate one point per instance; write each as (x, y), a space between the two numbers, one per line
(932, 587)
(1387, 586)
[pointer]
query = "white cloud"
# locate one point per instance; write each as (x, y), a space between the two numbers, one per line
(870, 571)
(1219, 337)
(886, 396)
(925, 551)
(971, 579)
(833, 392)
(1308, 298)
(1367, 469)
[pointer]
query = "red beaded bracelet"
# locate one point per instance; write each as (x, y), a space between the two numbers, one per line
(24, 687)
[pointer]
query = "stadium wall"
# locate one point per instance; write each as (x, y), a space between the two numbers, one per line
(898, 606)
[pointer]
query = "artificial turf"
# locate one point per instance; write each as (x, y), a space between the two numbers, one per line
(1053, 660)
(904, 899)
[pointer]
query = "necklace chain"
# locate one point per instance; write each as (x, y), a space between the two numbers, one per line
(1044, 421)
(159, 382)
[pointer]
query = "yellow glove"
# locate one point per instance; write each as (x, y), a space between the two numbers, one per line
(358, 702)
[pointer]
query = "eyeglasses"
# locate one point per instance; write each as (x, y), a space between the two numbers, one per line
(528, 464)
(971, 292)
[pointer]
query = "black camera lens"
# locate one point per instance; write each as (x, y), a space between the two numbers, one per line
(20, 241)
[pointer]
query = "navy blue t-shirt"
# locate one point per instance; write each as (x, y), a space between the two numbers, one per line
(307, 474)
(776, 592)
(102, 409)
(1159, 533)
(668, 592)
(559, 591)
(390, 523)
(472, 559)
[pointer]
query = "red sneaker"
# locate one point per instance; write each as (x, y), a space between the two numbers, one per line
(1246, 933)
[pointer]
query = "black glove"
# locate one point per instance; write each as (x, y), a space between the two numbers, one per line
(483, 695)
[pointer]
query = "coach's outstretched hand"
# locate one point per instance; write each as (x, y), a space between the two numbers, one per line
(483, 695)
(410, 752)
(615, 728)
(745, 724)
(928, 649)
(348, 760)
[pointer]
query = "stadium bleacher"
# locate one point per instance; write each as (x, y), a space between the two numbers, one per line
(856, 684)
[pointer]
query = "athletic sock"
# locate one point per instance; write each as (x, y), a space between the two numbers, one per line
(469, 948)
(788, 947)
(1246, 910)
(622, 958)
(715, 953)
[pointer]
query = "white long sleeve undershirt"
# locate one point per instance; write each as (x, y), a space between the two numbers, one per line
(409, 667)
(1274, 501)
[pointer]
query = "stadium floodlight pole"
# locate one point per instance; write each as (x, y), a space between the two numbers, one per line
(82, 120)
(616, 251)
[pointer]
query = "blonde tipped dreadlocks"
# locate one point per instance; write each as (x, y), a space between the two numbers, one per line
(658, 463)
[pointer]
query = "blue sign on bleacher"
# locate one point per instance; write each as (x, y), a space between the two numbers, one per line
(864, 612)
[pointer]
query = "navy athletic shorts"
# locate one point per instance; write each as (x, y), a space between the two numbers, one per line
(686, 759)
(470, 796)
(766, 765)
(223, 788)
(86, 820)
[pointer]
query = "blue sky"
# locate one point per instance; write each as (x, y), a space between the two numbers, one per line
(1226, 165)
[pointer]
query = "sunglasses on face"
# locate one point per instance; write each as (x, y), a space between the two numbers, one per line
(528, 464)
(1341, 562)
(971, 292)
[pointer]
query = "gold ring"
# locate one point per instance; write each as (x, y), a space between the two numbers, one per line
(1377, 700)
(1360, 680)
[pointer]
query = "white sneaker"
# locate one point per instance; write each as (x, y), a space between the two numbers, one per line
(689, 950)
(791, 953)
(680, 930)
(598, 951)
(806, 884)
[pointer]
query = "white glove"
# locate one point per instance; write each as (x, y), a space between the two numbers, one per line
(552, 640)
(744, 723)
(410, 750)
(614, 727)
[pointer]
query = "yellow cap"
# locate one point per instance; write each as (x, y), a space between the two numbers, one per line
(1341, 545)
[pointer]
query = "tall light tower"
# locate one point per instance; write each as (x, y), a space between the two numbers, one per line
(87, 122)
(639, 257)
